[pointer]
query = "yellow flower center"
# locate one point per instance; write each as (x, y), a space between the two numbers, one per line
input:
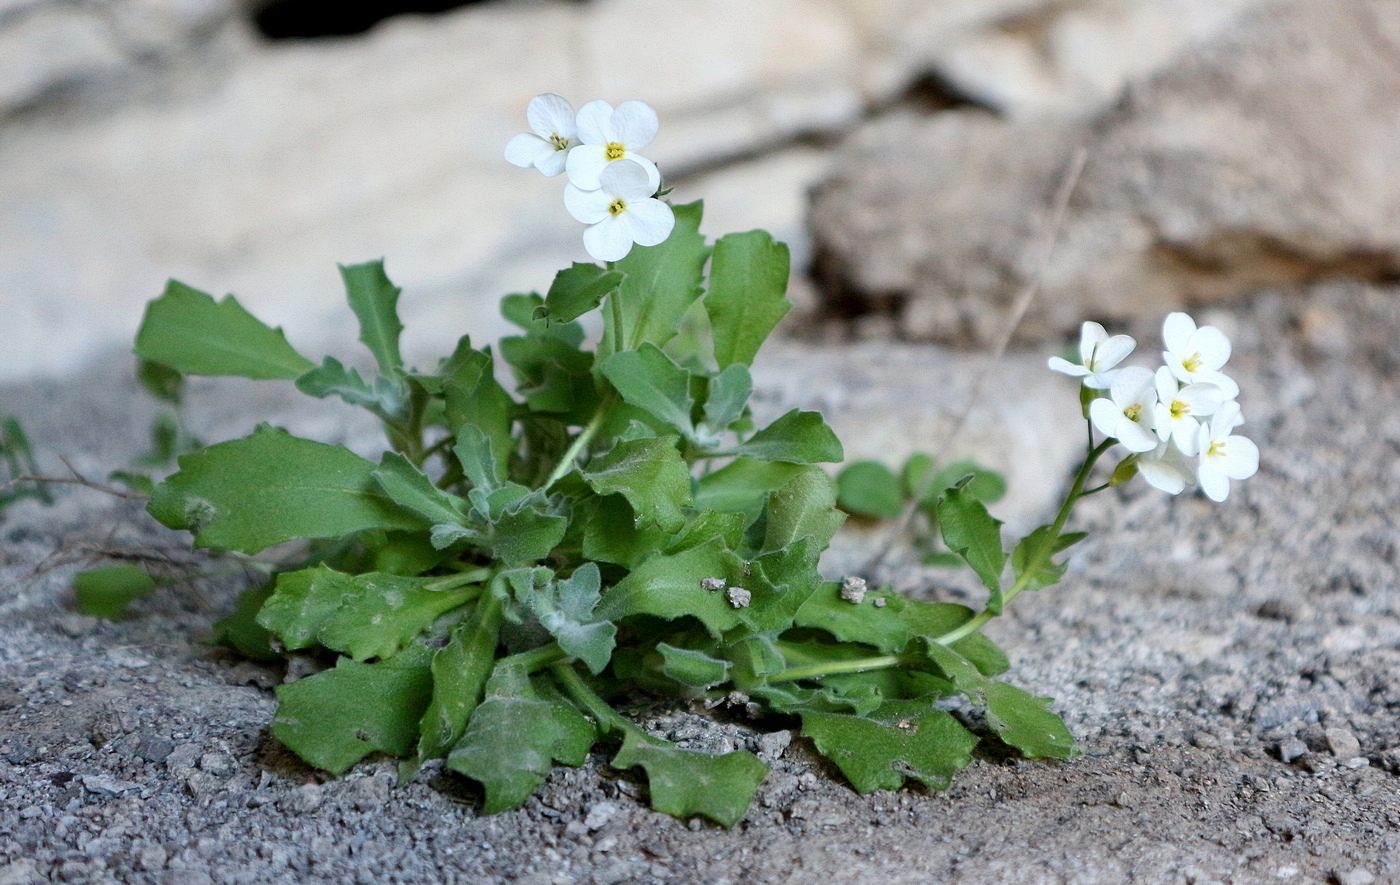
(1192, 363)
(1217, 447)
(1180, 409)
(560, 142)
(617, 207)
(614, 151)
(1132, 412)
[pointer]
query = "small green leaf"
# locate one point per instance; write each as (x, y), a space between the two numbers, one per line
(1030, 547)
(930, 748)
(987, 486)
(567, 610)
(577, 290)
(554, 376)
(798, 437)
(460, 670)
(869, 488)
(411, 489)
(337, 717)
(526, 532)
(971, 532)
(650, 474)
(481, 464)
(333, 379)
(782, 581)
(669, 587)
(188, 331)
(743, 485)
(687, 782)
(880, 626)
(646, 378)
(375, 302)
(747, 297)
(729, 393)
(692, 668)
(106, 592)
(241, 630)
(662, 282)
(249, 494)
(514, 737)
(473, 396)
(805, 507)
(161, 381)
(934, 619)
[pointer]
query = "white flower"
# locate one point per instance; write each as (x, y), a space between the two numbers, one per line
(621, 211)
(1224, 456)
(1127, 413)
(552, 118)
(1165, 468)
(1178, 409)
(1098, 354)
(1197, 355)
(610, 135)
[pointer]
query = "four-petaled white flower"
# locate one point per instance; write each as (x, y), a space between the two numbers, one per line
(1165, 468)
(1224, 456)
(1197, 355)
(1098, 354)
(1126, 414)
(610, 135)
(621, 211)
(1179, 409)
(556, 133)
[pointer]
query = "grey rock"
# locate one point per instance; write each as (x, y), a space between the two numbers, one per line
(599, 815)
(1291, 749)
(1234, 169)
(108, 786)
(1342, 743)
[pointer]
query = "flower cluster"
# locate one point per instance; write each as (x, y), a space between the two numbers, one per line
(611, 187)
(1185, 409)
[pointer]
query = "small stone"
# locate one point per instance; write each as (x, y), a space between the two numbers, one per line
(1355, 877)
(853, 589)
(772, 744)
(712, 584)
(1357, 762)
(738, 597)
(575, 829)
(1342, 742)
(599, 815)
(151, 858)
(218, 764)
(879, 602)
(1390, 760)
(1291, 749)
(108, 786)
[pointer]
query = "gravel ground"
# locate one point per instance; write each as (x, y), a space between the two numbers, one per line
(1231, 672)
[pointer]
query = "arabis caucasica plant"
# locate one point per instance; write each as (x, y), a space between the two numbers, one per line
(526, 560)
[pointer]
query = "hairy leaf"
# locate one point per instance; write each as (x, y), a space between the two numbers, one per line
(375, 302)
(662, 282)
(930, 747)
(1030, 547)
(578, 290)
(412, 490)
(971, 532)
(249, 494)
(669, 587)
(880, 626)
(691, 667)
(567, 610)
(743, 485)
(687, 782)
(188, 331)
(646, 378)
(729, 393)
(798, 437)
(460, 670)
(747, 297)
(333, 379)
(650, 474)
(805, 507)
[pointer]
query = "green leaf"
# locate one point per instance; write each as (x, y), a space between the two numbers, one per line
(646, 378)
(662, 282)
(729, 392)
(161, 381)
(337, 717)
(525, 532)
(782, 581)
(687, 782)
(473, 396)
(669, 587)
(333, 379)
(249, 494)
(241, 630)
(567, 610)
(1030, 547)
(747, 297)
(650, 474)
(577, 290)
(880, 626)
(691, 667)
(971, 532)
(370, 615)
(514, 737)
(554, 376)
(460, 670)
(106, 592)
(188, 331)
(934, 619)
(869, 488)
(930, 748)
(743, 485)
(987, 486)
(375, 302)
(805, 507)
(798, 437)
(411, 489)
(480, 461)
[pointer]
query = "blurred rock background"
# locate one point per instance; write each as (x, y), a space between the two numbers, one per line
(907, 149)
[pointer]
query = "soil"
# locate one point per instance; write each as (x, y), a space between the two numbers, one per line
(1232, 674)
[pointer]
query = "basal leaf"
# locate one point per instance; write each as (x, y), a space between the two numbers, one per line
(612, 532)
(743, 485)
(646, 378)
(869, 488)
(375, 302)
(662, 282)
(241, 631)
(688, 782)
(577, 290)
(249, 494)
(414, 491)
(782, 581)
(566, 609)
(930, 748)
(669, 587)
(1025, 722)
(880, 626)
(729, 393)
(934, 619)
(188, 331)
(747, 296)
(106, 592)
(554, 376)
(971, 532)
(473, 396)
(460, 670)
(805, 507)
(692, 668)
(650, 474)
(337, 717)
(798, 437)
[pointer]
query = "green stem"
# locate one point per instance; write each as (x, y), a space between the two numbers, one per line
(817, 671)
(566, 463)
(539, 658)
(607, 718)
(1039, 557)
(472, 575)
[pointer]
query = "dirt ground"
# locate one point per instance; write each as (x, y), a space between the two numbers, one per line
(1232, 673)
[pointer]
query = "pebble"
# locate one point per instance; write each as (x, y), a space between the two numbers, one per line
(108, 786)
(1342, 743)
(853, 589)
(1355, 877)
(738, 597)
(1291, 749)
(772, 744)
(599, 815)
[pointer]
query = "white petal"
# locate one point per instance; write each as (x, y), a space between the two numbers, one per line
(590, 207)
(551, 114)
(1202, 399)
(653, 174)
(595, 123)
(1211, 344)
(1111, 352)
(1133, 384)
(1214, 483)
(651, 220)
(525, 150)
(1176, 332)
(1241, 458)
(1224, 419)
(1060, 364)
(1163, 475)
(635, 124)
(608, 240)
(1101, 380)
(1167, 385)
(1091, 335)
(1106, 416)
(626, 179)
(586, 162)
(1135, 437)
(1221, 380)
(553, 163)
(1185, 435)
